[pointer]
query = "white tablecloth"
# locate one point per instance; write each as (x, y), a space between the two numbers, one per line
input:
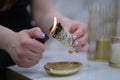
(91, 70)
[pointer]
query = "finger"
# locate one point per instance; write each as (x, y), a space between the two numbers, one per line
(34, 46)
(70, 52)
(27, 63)
(30, 59)
(80, 41)
(85, 47)
(33, 57)
(79, 32)
(35, 33)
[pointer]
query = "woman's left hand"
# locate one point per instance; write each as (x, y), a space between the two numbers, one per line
(79, 33)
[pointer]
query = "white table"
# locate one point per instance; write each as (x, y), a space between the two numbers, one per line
(91, 70)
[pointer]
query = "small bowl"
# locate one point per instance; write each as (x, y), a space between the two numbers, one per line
(62, 68)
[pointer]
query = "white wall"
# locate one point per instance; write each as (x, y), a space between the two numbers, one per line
(78, 9)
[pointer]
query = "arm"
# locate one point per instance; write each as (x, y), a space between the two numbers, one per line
(5, 37)
(43, 13)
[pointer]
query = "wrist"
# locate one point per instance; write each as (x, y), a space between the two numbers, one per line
(6, 37)
(9, 42)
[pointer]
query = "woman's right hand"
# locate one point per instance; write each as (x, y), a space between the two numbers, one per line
(24, 49)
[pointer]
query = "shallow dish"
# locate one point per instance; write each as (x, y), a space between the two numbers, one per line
(62, 68)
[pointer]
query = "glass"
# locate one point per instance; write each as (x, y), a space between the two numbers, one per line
(102, 23)
(115, 54)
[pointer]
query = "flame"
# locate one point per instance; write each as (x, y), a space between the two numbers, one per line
(54, 26)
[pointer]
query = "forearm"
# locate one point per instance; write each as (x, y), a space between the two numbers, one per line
(43, 13)
(5, 36)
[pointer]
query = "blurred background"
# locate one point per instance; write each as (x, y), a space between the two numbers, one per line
(76, 10)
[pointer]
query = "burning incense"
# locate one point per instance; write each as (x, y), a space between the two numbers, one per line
(59, 33)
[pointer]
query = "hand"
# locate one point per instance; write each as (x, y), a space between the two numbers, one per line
(79, 34)
(24, 49)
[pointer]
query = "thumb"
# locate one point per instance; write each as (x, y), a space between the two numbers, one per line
(36, 33)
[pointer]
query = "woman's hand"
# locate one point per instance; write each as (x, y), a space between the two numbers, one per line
(24, 49)
(79, 34)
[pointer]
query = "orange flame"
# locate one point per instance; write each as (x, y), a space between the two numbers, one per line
(54, 26)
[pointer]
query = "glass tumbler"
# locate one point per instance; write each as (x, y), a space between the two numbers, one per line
(102, 23)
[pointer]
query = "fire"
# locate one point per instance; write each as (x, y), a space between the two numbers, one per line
(54, 26)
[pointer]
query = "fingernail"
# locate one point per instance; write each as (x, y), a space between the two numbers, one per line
(74, 37)
(42, 34)
(76, 43)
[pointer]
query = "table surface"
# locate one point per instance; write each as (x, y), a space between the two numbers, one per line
(91, 70)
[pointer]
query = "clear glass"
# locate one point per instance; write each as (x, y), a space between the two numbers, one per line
(102, 23)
